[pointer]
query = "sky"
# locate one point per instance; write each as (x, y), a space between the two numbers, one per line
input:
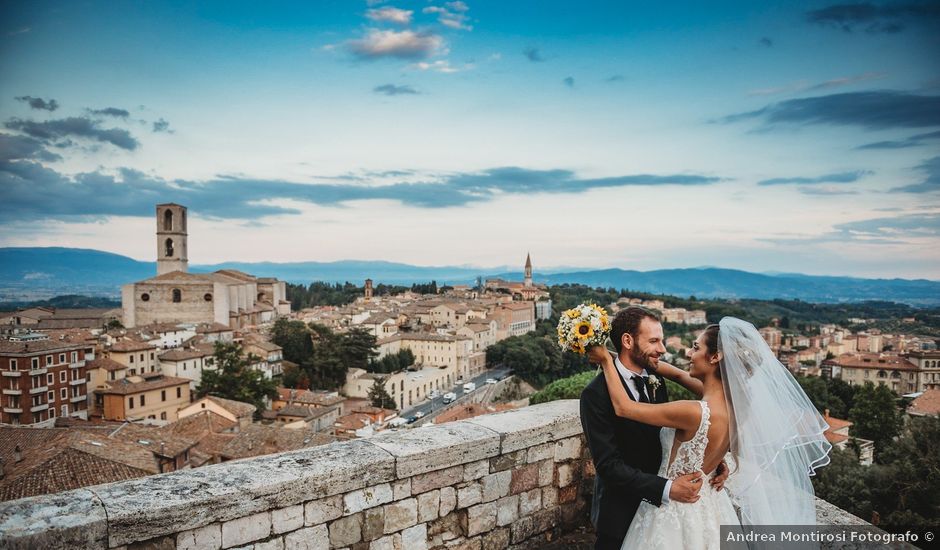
(763, 136)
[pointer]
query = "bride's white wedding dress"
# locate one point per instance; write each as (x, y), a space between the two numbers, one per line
(676, 525)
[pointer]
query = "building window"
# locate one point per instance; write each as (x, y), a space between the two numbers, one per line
(207, 297)
(12, 364)
(50, 379)
(168, 220)
(64, 393)
(141, 357)
(130, 358)
(168, 248)
(143, 401)
(151, 356)
(63, 376)
(130, 402)
(35, 363)
(179, 393)
(177, 296)
(163, 416)
(50, 396)
(144, 297)
(163, 395)
(75, 357)
(61, 358)
(65, 410)
(48, 360)
(51, 413)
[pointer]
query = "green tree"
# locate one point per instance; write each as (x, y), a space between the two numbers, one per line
(875, 416)
(357, 348)
(233, 378)
(380, 396)
(294, 338)
(564, 388)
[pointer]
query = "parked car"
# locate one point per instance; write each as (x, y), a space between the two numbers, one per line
(490, 380)
(397, 422)
(434, 394)
(419, 414)
(412, 419)
(450, 397)
(469, 387)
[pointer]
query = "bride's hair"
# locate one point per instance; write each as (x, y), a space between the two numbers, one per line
(712, 344)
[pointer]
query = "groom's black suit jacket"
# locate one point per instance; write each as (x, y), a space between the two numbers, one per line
(627, 456)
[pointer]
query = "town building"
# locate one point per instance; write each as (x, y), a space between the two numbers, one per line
(153, 397)
(41, 380)
(894, 371)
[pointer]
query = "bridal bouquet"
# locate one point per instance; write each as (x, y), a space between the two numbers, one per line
(582, 327)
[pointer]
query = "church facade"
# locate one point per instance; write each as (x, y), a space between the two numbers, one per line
(228, 297)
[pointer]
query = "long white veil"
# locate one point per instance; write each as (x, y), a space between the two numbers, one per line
(777, 436)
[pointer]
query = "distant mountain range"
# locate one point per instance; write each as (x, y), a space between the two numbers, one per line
(35, 271)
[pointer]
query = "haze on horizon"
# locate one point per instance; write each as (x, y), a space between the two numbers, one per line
(771, 137)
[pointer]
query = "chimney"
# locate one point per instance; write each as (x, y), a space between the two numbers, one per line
(17, 454)
(163, 448)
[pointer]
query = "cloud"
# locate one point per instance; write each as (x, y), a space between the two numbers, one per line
(74, 127)
(931, 183)
(568, 81)
(39, 103)
(913, 141)
(826, 191)
(873, 19)
(29, 190)
(161, 126)
(391, 89)
(766, 42)
(401, 44)
(453, 15)
(614, 78)
(797, 87)
(533, 55)
(23, 148)
(440, 66)
(842, 177)
(390, 15)
(21, 30)
(111, 111)
(893, 230)
(875, 110)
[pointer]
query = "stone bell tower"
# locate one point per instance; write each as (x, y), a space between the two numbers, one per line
(171, 238)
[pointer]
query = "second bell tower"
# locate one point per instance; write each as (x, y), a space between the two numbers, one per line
(171, 238)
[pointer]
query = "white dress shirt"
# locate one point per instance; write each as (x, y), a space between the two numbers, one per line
(627, 375)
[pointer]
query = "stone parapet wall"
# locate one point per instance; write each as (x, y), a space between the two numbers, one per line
(503, 480)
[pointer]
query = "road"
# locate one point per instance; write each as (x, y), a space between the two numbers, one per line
(436, 404)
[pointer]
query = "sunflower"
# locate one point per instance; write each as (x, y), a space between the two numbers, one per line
(577, 347)
(584, 330)
(573, 313)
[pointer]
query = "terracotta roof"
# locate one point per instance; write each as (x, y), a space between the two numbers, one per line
(105, 363)
(173, 276)
(126, 387)
(874, 361)
(926, 404)
(836, 423)
(309, 397)
(182, 354)
(39, 346)
(131, 345)
(470, 410)
(353, 421)
(212, 327)
(238, 408)
(256, 440)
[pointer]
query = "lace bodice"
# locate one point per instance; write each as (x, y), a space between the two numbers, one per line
(691, 454)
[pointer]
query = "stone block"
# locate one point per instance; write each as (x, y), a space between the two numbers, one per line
(415, 538)
(287, 519)
(497, 539)
(530, 502)
(401, 515)
(540, 452)
(308, 538)
(529, 526)
(323, 510)
(464, 544)
(524, 479)
(589, 470)
(208, 537)
(246, 529)
(159, 543)
(369, 497)
(508, 461)
(481, 518)
(346, 530)
(71, 519)
(469, 494)
(401, 489)
(384, 543)
(429, 505)
(565, 474)
(437, 479)
(496, 485)
(546, 472)
(448, 500)
(271, 544)
(507, 510)
(436, 447)
(476, 470)
(549, 497)
(567, 494)
(151, 506)
(533, 425)
(373, 523)
(449, 527)
(567, 449)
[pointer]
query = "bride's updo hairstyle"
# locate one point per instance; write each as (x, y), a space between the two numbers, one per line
(711, 343)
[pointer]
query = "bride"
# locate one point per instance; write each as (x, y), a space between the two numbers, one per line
(752, 407)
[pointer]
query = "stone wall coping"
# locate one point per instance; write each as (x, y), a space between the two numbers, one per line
(533, 425)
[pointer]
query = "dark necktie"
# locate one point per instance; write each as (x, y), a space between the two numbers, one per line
(640, 384)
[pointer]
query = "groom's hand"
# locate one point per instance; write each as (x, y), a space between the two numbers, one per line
(685, 488)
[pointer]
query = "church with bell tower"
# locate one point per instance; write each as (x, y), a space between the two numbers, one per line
(171, 238)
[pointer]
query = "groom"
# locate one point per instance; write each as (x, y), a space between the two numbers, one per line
(626, 453)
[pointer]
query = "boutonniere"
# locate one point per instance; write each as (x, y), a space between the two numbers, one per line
(653, 382)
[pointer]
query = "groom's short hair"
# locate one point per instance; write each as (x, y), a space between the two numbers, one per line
(627, 321)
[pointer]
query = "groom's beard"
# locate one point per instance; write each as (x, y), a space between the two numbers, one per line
(643, 359)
